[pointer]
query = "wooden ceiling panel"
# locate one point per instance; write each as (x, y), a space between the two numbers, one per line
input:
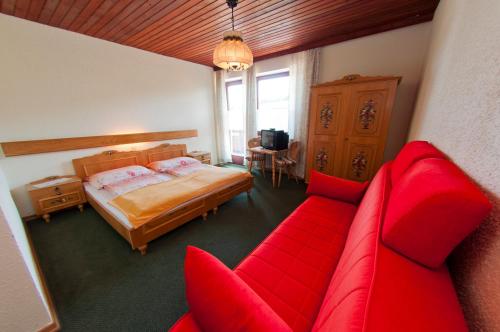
(190, 29)
(205, 23)
(215, 25)
(21, 8)
(273, 28)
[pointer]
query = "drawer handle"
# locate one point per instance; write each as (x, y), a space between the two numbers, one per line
(58, 191)
(61, 200)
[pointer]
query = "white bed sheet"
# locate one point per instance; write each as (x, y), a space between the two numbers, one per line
(102, 197)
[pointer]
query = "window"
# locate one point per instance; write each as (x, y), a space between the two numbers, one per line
(272, 108)
(235, 107)
(272, 101)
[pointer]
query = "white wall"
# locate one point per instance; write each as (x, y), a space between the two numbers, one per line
(55, 83)
(22, 306)
(13, 220)
(458, 109)
(399, 52)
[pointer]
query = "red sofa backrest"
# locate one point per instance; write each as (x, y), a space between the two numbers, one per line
(344, 306)
(410, 154)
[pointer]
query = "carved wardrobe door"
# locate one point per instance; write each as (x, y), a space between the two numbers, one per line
(348, 125)
(367, 125)
(325, 129)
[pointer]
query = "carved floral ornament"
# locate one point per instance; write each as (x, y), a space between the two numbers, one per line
(359, 163)
(321, 159)
(367, 114)
(326, 115)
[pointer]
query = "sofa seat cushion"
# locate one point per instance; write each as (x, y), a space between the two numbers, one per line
(291, 269)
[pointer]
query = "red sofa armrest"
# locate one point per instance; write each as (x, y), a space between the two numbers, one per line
(336, 188)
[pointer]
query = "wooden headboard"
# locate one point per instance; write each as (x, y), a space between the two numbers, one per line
(107, 160)
(164, 152)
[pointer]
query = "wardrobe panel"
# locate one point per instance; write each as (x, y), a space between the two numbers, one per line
(327, 119)
(324, 152)
(359, 161)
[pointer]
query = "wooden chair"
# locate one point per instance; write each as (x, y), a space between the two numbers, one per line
(289, 162)
(260, 158)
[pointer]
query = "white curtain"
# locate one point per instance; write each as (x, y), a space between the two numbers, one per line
(250, 95)
(221, 118)
(304, 72)
(250, 84)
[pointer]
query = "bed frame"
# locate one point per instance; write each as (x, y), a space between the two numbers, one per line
(164, 223)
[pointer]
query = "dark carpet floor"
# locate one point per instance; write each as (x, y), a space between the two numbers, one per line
(99, 284)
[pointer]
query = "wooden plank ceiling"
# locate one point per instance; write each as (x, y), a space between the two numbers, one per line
(190, 29)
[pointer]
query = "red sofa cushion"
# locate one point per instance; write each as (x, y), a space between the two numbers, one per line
(336, 188)
(410, 154)
(432, 208)
(292, 268)
(185, 324)
(221, 301)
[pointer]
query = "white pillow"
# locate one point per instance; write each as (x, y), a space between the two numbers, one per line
(164, 166)
(99, 180)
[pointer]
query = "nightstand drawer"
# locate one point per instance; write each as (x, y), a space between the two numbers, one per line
(59, 201)
(65, 188)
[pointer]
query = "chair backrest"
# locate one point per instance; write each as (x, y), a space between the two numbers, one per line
(253, 142)
(293, 151)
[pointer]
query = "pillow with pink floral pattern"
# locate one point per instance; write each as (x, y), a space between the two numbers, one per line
(166, 166)
(99, 180)
(182, 171)
(131, 184)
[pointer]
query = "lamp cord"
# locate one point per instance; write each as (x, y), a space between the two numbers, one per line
(232, 16)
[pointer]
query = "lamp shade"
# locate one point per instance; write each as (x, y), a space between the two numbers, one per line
(232, 53)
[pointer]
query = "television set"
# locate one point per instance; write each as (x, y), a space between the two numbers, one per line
(273, 139)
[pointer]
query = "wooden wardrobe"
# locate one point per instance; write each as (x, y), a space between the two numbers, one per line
(348, 125)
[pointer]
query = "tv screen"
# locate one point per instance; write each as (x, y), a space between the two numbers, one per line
(267, 139)
(274, 139)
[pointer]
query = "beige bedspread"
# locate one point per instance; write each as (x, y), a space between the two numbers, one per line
(144, 204)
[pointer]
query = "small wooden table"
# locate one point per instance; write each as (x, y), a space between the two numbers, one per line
(273, 153)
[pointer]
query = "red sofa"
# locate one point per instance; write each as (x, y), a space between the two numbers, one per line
(336, 265)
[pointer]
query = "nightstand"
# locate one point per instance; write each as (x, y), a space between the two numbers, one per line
(56, 193)
(202, 156)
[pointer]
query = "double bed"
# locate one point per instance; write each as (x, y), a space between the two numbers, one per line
(147, 212)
